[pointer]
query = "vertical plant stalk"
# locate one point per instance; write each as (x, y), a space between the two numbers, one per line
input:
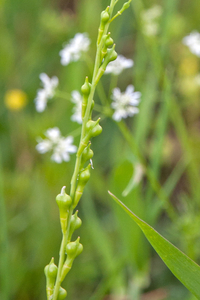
(67, 203)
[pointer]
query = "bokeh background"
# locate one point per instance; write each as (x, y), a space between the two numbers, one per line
(163, 140)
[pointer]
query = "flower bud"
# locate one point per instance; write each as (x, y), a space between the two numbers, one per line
(109, 41)
(104, 16)
(93, 128)
(112, 54)
(84, 176)
(73, 249)
(85, 89)
(50, 272)
(86, 155)
(64, 202)
(74, 224)
(62, 294)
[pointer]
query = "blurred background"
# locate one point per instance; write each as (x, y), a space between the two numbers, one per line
(150, 161)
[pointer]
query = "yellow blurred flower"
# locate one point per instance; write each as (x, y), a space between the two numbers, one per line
(15, 99)
(189, 66)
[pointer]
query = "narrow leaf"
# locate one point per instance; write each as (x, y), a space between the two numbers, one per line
(184, 268)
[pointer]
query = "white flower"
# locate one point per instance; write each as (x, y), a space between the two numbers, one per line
(73, 50)
(48, 91)
(150, 20)
(77, 109)
(193, 42)
(117, 66)
(60, 146)
(124, 103)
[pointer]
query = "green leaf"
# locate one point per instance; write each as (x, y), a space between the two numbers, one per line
(184, 268)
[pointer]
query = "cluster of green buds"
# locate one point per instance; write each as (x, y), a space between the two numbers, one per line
(105, 44)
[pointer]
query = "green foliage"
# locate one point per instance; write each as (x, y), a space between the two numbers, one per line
(163, 139)
(185, 269)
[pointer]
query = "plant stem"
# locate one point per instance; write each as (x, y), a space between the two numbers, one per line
(94, 82)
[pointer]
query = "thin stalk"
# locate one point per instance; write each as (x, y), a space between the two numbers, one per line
(78, 157)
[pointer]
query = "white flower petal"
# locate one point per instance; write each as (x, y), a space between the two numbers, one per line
(53, 134)
(73, 50)
(43, 146)
(117, 66)
(193, 42)
(124, 103)
(62, 147)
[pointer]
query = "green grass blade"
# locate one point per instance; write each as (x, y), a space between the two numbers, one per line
(185, 269)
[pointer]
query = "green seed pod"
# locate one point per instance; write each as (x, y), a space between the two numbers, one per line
(62, 294)
(50, 272)
(74, 224)
(73, 249)
(105, 16)
(84, 176)
(93, 128)
(86, 155)
(112, 55)
(64, 202)
(109, 41)
(86, 87)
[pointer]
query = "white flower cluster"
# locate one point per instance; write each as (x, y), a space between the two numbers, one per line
(60, 145)
(150, 18)
(48, 91)
(73, 50)
(125, 103)
(193, 42)
(117, 66)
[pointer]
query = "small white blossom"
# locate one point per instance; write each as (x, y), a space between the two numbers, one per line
(150, 19)
(125, 103)
(48, 91)
(117, 66)
(77, 109)
(193, 42)
(60, 145)
(73, 50)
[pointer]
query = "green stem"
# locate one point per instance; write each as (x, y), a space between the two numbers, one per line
(78, 157)
(60, 264)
